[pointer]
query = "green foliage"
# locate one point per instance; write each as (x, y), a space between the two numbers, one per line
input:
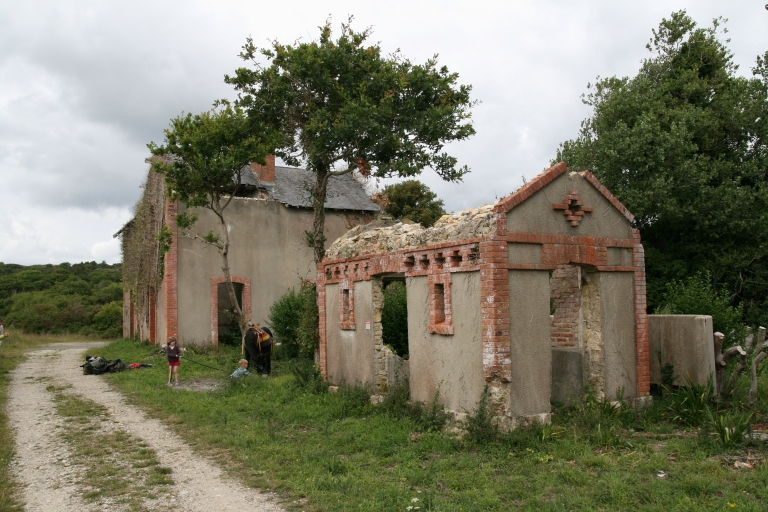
(412, 199)
(731, 427)
(341, 106)
(294, 319)
(683, 145)
(480, 423)
(62, 298)
(394, 318)
(695, 295)
(307, 376)
(690, 404)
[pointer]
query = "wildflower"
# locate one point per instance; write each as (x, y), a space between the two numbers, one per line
(414, 500)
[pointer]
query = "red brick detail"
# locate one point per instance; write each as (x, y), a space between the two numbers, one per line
(641, 320)
(323, 346)
(530, 188)
(573, 208)
(440, 304)
(565, 293)
(152, 317)
(265, 173)
(556, 254)
(171, 275)
(214, 293)
(494, 290)
(347, 305)
(537, 238)
(607, 194)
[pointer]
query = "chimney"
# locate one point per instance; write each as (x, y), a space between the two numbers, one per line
(265, 173)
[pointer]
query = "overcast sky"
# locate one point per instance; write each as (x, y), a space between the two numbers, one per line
(85, 85)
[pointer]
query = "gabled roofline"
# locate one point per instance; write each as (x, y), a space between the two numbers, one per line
(548, 176)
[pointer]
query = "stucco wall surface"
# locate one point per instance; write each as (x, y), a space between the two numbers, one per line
(618, 324)
(268, 245)
(685, 342)
(531, 353)
(350, 353)
(453, 364)
(536, 214)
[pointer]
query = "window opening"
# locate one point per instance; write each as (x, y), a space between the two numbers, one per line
(229, 331)
(394, 317)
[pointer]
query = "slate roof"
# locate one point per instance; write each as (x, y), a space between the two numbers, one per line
(292, 186)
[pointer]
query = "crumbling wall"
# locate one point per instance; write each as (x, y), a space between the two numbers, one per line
(565, 297)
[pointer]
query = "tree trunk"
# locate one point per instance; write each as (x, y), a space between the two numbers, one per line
(239, 315)
(760, 354)
(317, 237)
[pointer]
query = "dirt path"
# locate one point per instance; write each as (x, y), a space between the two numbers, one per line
(44, 462)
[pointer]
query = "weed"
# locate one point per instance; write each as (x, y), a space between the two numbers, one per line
(430, 417)
(480, 423)
(307, 376)
(689, 404)
(731, 427)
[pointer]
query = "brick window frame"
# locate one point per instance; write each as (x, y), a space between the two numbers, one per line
(440, 305)
(347, 305)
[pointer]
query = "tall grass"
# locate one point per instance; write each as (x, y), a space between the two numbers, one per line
(324, 451)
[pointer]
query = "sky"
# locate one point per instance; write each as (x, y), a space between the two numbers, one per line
(85, 85)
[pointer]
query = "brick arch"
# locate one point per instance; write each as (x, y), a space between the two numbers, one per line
(215, 282)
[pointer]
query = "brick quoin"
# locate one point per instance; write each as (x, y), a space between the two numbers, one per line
(171, 274)
(215, 282)
(494, 285)
(641, 319)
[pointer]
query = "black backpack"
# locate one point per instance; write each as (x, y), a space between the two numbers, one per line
(99, 365)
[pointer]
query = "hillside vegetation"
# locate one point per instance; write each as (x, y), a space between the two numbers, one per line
(80, 298)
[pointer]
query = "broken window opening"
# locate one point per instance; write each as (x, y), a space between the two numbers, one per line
(394, 317)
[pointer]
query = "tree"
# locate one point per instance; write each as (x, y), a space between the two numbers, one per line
(683, 146)
(411, 199)
(340, 105)
(202, 160)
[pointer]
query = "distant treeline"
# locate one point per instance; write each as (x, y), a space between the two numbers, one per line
(84, 298)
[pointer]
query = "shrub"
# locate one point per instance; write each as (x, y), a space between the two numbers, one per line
(696, 296)
(108, 322)
(294, 319)
(480, 423)
(394, 318)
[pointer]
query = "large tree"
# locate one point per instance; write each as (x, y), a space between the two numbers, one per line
(412, 200)
(340, 105)
(202, 160)
(683, 146)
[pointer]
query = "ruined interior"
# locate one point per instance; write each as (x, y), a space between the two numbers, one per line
(535, 297)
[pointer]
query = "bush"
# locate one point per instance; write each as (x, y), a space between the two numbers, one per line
(394, 318)
(108, 322)
(696, 296)
(294, 319)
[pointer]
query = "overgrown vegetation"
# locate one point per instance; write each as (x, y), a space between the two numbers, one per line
(394, 318)
(83, 298)
(326, 451)
(294, 319)
(682, 144)
(411, 200)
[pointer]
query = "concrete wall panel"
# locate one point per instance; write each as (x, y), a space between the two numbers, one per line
(350, 353)
(531, 350)
(536, 215)
(526, 254)
(618, 324)
(684, 341)
(453, 364)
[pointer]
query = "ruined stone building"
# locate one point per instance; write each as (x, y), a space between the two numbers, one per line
(179, 289)
(535, 296)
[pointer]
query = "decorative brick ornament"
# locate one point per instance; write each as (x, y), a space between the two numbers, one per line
(573, 208)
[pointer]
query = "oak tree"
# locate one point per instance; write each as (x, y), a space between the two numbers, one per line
(341, 105)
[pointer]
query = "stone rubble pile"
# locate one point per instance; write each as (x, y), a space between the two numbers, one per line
(375, 238)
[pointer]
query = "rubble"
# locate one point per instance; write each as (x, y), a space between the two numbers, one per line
(381, 237)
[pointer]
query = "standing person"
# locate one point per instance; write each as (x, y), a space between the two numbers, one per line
(251, 342)
(173, 352)
(265, 350)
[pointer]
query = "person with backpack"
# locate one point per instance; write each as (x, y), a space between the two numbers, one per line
(251, 346)
(265, 350)
(173, 353)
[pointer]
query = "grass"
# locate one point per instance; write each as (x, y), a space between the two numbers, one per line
(337, 452)
(12, 352)
(114, 467)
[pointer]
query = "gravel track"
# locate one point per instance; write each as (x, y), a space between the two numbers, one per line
(42, 461)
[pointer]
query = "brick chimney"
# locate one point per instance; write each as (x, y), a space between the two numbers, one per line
(265, 173)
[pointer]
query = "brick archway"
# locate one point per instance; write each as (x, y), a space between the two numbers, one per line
(215, 282)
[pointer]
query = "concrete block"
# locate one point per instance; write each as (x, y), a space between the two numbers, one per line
(567, 371)
(685, 342)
